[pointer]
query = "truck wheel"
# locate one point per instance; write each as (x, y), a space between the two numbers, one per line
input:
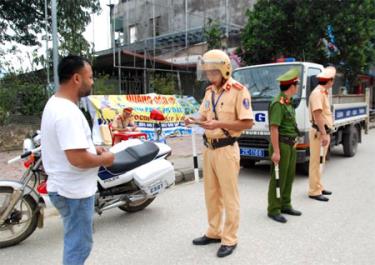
(350, 142)
(247, 163)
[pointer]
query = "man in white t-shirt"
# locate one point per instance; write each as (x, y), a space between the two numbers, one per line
(71, 159)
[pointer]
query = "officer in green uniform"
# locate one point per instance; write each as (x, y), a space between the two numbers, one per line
(284, 133)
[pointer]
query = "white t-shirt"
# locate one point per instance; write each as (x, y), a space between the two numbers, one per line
(64, 127)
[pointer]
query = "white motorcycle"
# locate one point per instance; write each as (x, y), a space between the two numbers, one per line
(139, 173)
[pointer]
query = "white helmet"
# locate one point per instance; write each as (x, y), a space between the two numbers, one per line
(214, 60)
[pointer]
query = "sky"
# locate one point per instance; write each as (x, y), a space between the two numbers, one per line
(98, 31)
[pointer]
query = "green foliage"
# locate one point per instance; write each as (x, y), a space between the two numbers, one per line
(3, 116)
(104, 86)
(293, 28)
(164, 84)
(21, 95)
(213, 34)
(22, 21)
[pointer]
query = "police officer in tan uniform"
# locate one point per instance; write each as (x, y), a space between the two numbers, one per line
(124, 121)
(224, 113)
(322, 123)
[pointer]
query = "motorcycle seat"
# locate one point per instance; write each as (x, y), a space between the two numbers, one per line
(133, 157)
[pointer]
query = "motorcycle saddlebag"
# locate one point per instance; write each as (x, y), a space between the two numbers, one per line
(154, 177)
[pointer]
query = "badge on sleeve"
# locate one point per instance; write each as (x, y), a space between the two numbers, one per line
(246, 103)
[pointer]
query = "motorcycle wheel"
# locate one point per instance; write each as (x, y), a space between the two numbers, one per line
(22, 221)
(136, 206)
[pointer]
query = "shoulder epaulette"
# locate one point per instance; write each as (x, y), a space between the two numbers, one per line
(238, 86)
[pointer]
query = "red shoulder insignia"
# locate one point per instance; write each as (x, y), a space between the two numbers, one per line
(238, 86)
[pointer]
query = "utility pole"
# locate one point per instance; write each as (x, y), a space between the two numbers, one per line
(226, 19)
(55, 43)
(186, 24)
(144, 69)
(153, 29)
(112, 22)
(46, 21)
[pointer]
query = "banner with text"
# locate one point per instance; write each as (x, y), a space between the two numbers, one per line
(105, 107)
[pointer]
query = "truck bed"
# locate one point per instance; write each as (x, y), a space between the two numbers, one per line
(347, 109)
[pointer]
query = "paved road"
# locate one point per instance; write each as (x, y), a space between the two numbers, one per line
(341, 231)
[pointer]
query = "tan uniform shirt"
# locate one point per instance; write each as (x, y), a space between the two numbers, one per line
(319, 101)
(233, 102)
(120, 123)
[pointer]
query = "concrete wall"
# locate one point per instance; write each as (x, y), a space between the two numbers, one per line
(172, 14)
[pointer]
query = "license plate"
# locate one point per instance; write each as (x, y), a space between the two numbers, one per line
(156, 188)
(253, 152)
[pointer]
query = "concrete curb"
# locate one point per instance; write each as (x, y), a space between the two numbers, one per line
(186, 174)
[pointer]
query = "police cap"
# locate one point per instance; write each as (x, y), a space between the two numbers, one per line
(289, 77)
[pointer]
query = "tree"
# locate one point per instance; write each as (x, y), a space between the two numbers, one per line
(164, 84)
(21, 21)
(104, 86)
(300, 29)
(213, 34)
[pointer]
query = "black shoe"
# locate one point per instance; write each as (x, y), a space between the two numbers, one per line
(326, 192)
(204, 240)
(278, 218)
(319, 198)
(291, 211)
(225, 250)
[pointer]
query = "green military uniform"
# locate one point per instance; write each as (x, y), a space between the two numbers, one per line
(282, 114)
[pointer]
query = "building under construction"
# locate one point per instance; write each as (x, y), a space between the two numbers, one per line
(153, 38)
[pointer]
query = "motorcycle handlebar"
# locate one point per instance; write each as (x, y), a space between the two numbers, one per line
(24, 155)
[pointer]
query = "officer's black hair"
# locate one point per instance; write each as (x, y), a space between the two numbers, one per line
(286, 87)
(69, 66)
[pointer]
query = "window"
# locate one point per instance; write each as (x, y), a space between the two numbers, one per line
(133, 33)
(261, 81)
(312, 81)
(157, 26)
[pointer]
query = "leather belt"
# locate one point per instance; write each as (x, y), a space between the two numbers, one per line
(217, 143)
(328, 130)
(288, 140)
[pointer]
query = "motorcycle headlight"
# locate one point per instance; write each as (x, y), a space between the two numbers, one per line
(28, 145)
(36, 140)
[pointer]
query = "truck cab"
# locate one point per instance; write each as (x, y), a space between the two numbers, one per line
(262, 85)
